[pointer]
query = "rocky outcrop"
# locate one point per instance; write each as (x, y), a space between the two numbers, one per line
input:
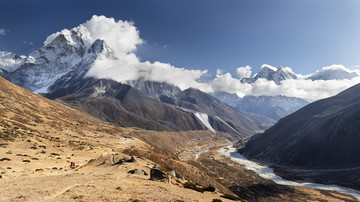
(157, 174)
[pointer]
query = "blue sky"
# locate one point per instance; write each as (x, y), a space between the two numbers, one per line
(205, 34)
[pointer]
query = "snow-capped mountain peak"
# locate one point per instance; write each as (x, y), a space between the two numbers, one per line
(266, 71)
(266, 67)
(78, 36)
(275, 74)
(63, 52)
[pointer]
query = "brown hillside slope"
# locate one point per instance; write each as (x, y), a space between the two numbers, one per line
(39, 138)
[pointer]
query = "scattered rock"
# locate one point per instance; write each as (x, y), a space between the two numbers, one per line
(138, 171)
(78, 197)
(3, 177)
(132, 159)
(21, 197)
(173, 173)
(3, 145)
(121, 161)
(102, 163)
(199, 188)
(157, 166)
(127, 136)
(26, 161)
(156, 174)
(39, 169)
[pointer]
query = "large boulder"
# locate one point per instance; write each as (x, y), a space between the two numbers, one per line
(157, 174)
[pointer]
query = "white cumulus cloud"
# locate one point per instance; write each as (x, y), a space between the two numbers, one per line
(244, 72)
(123, 37)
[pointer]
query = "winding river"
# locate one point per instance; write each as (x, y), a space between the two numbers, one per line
(268, 173)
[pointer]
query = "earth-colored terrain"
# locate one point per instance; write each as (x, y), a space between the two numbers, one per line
(39, 138)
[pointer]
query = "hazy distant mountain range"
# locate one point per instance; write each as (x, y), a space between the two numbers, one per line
(275, 107)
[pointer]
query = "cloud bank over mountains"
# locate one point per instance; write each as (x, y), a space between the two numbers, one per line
(329, 81)
(124, 38)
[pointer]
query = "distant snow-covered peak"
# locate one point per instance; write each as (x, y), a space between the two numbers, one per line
(10, 61)
(333, 72)
(271, 73)
(266, 66)
(266, 72)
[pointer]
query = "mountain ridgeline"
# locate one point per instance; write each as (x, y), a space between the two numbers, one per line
(274, 107)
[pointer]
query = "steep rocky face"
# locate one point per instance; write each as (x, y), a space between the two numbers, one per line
(155, 89)
(221, 116)
(73, 77)
(126, 106)
(324, 134)
(68, 51)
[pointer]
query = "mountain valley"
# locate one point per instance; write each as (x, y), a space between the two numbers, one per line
(39, 138)
(84, 118)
